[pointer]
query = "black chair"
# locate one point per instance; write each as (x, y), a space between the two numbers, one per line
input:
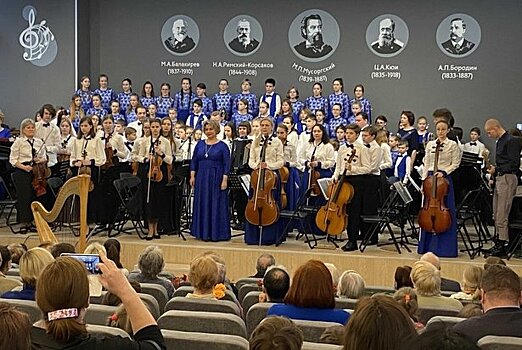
(129, 193)
(7, 205)
(468, 213)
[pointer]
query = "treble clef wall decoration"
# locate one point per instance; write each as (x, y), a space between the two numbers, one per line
(36, 39)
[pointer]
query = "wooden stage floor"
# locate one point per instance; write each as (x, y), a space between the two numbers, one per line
(377, 264)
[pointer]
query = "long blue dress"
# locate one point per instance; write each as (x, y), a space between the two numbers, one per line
(211, 217)
(442, 244)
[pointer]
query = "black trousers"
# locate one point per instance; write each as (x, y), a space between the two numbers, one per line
(355, 208)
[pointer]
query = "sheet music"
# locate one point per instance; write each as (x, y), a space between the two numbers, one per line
(323, 185)
(245, 182)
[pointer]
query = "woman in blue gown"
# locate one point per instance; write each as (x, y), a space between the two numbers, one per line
(209, 177)
(443, 244)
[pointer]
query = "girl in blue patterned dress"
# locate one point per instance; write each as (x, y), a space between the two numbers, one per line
(241, 115)
(124, 96)
(134, 102)
(297, 106)
(147, 94)
(201, 93)
(358, 91)
(253, 105)
(164, 102)
(76, 111)
(106, 94)
(183, 99)
(84, 92)
(338, 96)
(317, 100)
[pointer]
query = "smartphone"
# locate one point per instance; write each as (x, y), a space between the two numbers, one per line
(519, 127)
(90, 261)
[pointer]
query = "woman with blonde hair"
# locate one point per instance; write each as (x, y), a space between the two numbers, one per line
(32, 263)
(471, 278)
(203, 275)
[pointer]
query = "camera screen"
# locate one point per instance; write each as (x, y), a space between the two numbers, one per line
(519, 127)
(89, 260)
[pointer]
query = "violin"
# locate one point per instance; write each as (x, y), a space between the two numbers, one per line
(40, 174)
(313, 176)
(109, 154)
(64, 157)
(155, 173)
(261, 209)
(84, 169)
(434, 216)
(284, 173)
(332, 217)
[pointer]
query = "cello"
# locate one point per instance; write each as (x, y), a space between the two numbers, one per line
(261, 209)
(332, 217)
(434, 216)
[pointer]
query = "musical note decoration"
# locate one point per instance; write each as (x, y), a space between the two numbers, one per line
(36, 39)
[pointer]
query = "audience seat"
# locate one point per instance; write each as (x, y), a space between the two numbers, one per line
(255, 315)
(152, 304)
(157, 291)
(189, 304)
(320, 346)
(245, 289)
(97, 300)
(250, 299)
(425, 314)
(27, 306)
(446, 321)
(493, 342)
(371, 290)
(312, 330)
(202, 341)
(184, 290)
(345, 303)
(247, 280)
(106, 330)
(203, 322)
(98, 314)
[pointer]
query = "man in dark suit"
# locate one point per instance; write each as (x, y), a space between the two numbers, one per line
(501, 304)
(312, 32)
(179, 42)
(446, 285)
(244, 43)
(456, 44)
(263, 262)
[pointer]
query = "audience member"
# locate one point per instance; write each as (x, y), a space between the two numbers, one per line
(95, 248)
(6, 284)
(150, 263)
(470, 285)
(407, 298)
(63, 296)
(275, 285)
(263, 262)
(112, 299)
(351, 285)
(16, 328)
(333, 335)
(59, 248)
(276, 333)
(493, 260)
(377, 323)
(426, 279)
(470, 310)
(402, 277)
(445, 284)
(222, 271)
(439, 338)
(46, 245)
(203, 275)
(17, 250)
(32, 263)
(501, 303)
(335, 274)
(311, 296)
(113, 248)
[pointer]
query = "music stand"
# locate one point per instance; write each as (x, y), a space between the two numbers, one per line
(236, 184)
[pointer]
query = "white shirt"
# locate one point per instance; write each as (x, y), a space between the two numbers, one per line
(324, 153)
(50, 134)
(361, 162)
(449, 157)
(94, 150)
(22, 151)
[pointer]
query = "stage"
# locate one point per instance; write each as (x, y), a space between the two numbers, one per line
(377, 264)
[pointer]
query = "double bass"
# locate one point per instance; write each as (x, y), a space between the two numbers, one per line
(261, 209)
(332, 217)
(434, 216)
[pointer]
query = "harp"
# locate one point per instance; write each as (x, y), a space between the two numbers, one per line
(78, 185)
